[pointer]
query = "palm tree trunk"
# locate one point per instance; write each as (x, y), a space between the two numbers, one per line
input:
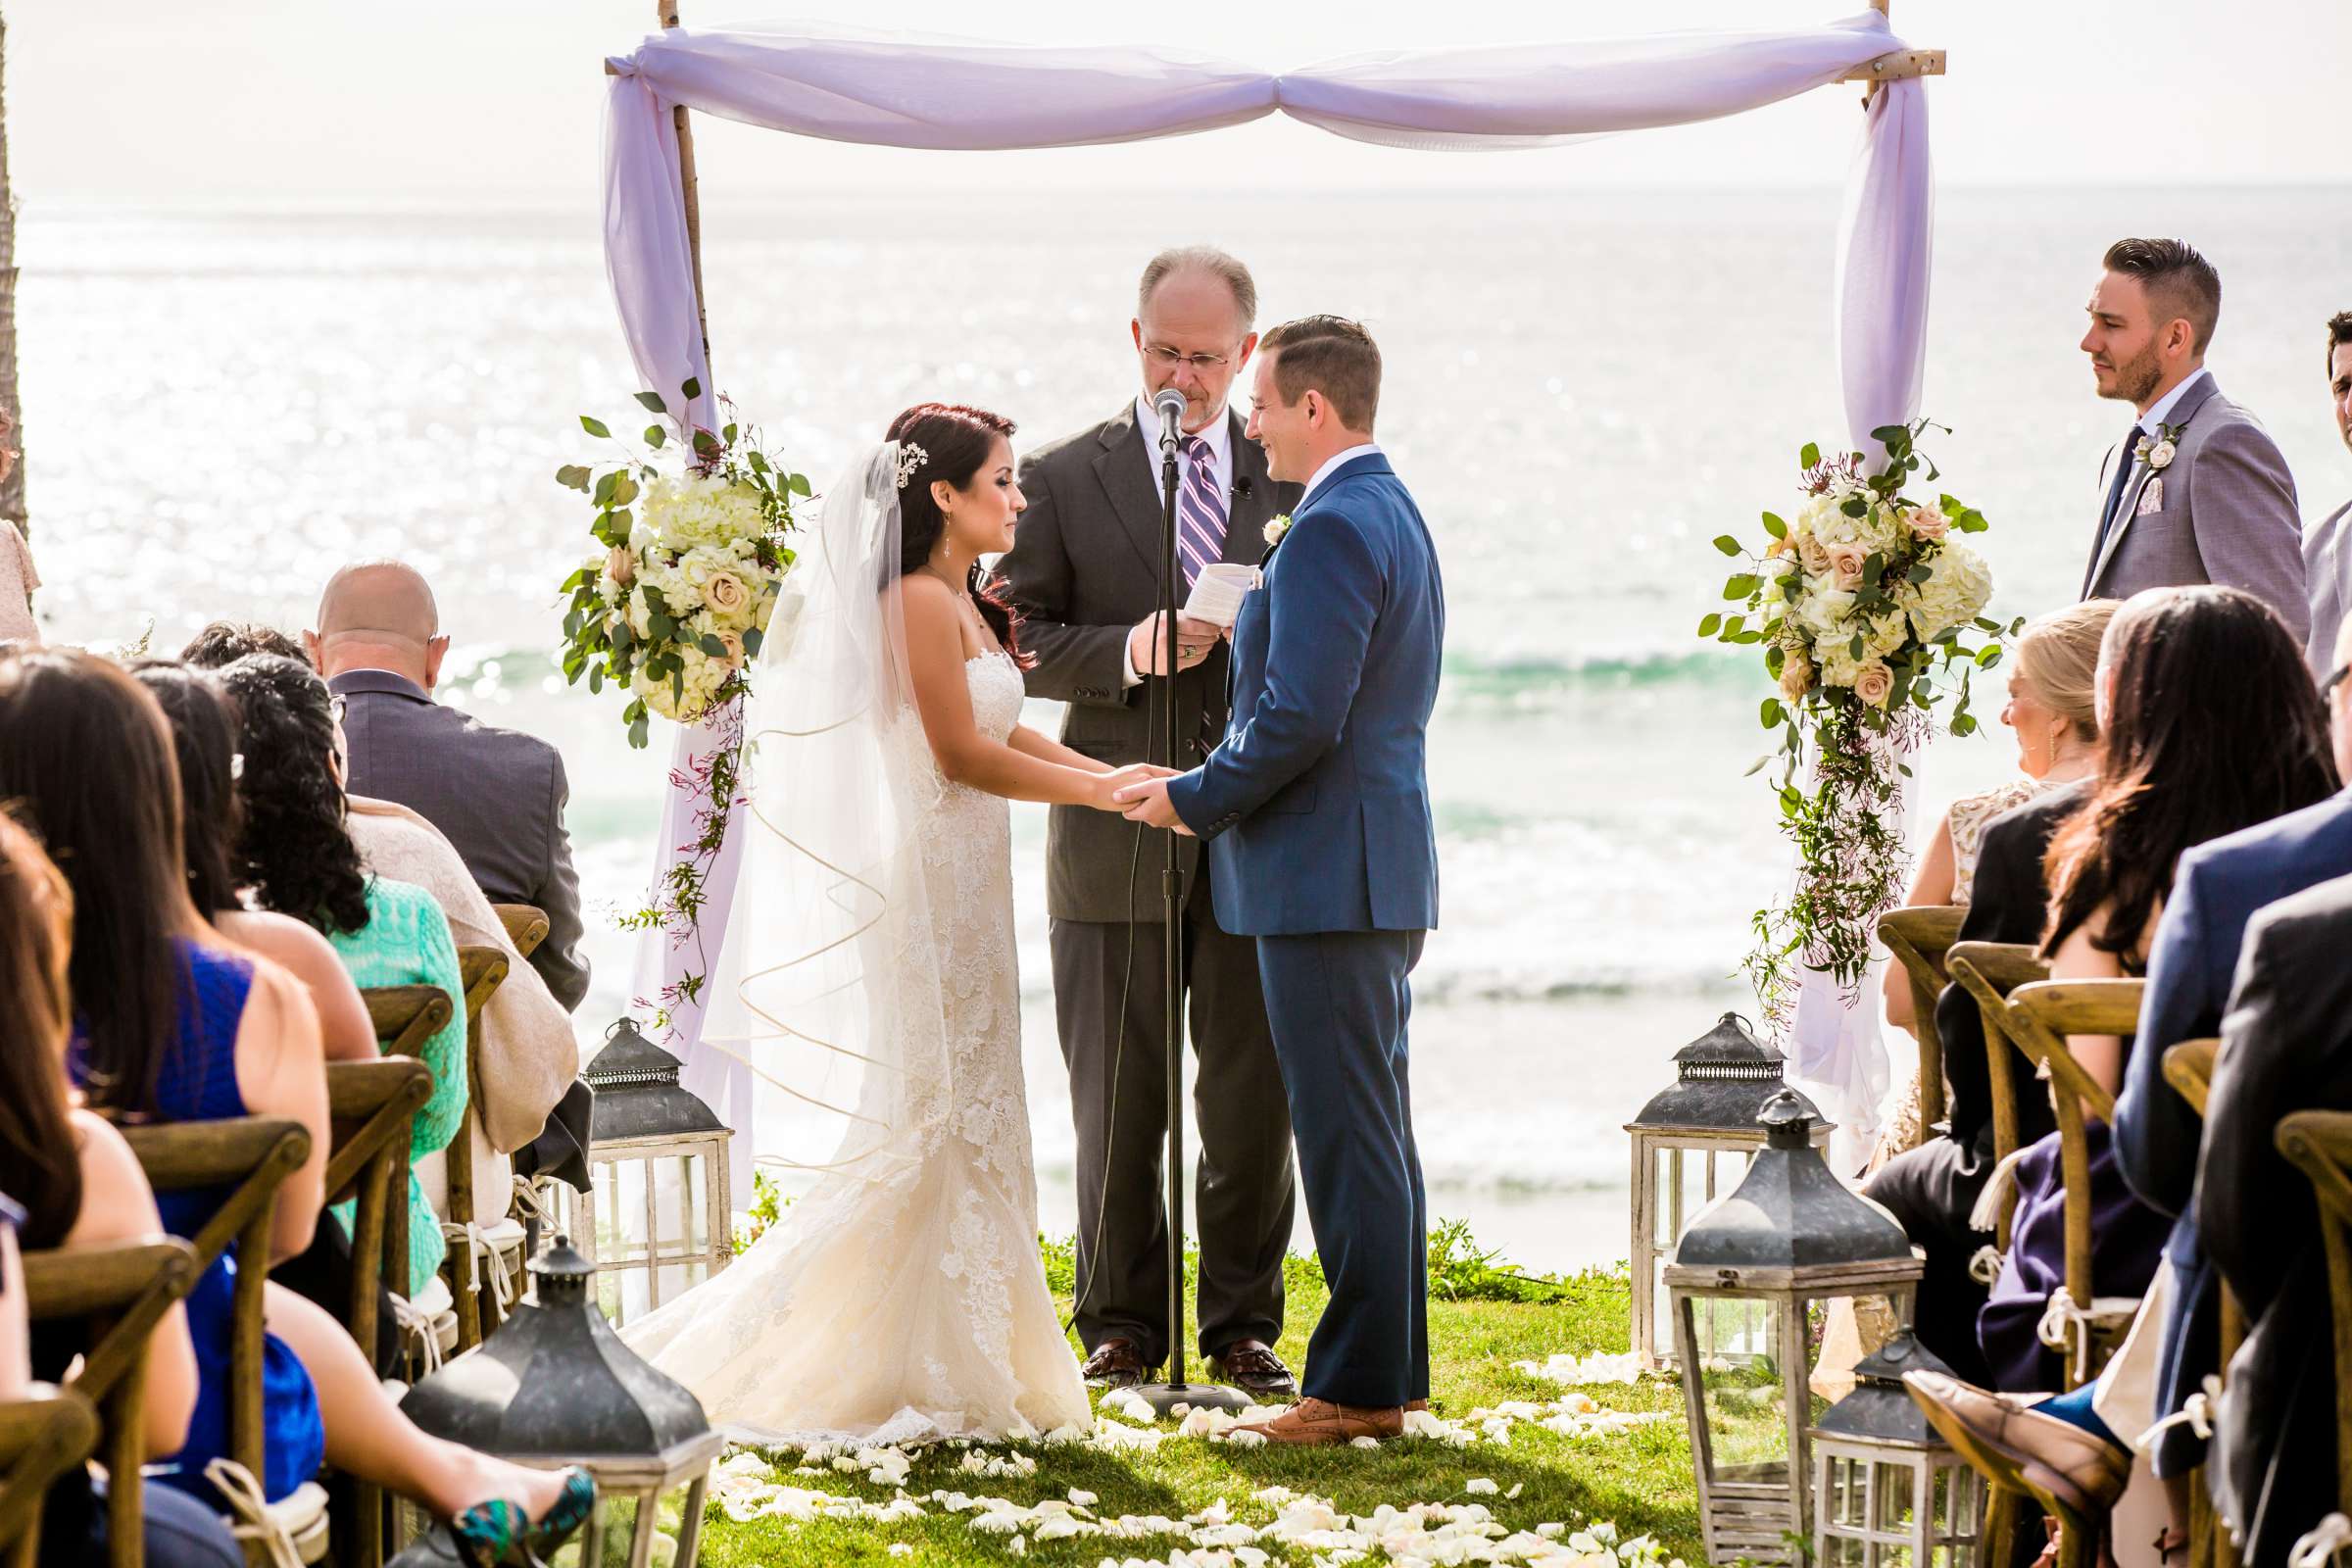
(12, 483)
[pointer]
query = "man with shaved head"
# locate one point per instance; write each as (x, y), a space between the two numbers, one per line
(496, 795)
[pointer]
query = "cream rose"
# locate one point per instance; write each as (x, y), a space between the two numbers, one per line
(1847, 561)
(621, 566)
(1925, 523)
(1797, 675)
(1874, 682)
(1813, 556)
(734, 647)
(725, 593)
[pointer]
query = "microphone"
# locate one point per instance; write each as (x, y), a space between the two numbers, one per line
(1169, 406)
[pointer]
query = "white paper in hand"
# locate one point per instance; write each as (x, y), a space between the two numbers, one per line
(1217, 593)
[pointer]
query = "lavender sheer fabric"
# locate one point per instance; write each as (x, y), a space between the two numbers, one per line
(901, 91)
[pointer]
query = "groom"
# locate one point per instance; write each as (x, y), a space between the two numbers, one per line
(1316, 809)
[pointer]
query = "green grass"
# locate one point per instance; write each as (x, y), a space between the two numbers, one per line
(1641, 1480)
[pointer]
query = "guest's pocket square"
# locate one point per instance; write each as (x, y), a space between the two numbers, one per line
(2152, 498)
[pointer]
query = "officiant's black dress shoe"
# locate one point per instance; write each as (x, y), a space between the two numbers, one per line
(1252, 1366)
(1115, 1364)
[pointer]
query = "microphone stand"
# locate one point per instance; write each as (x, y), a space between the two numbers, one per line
(1163, 1397)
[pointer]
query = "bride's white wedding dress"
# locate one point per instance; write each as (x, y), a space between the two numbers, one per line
(903, 1299)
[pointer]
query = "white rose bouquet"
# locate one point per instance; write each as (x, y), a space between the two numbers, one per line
(671, 605)
(1863, 603)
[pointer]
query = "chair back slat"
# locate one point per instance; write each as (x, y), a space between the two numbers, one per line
(2189, 1069)
(43, 1434)
(1988, 972)
(252, 1156)
(1919, 937)
(407, 1016)
(526, 926)
(2319, 1144)
(481, 970)
(372, 1105)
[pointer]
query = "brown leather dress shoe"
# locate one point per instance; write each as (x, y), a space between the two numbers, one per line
(1252, 1366)
(2018, 1446)
(1315, 1423)
(1116, 1363)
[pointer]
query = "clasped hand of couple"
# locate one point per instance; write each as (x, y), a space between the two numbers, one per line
(1141, 791)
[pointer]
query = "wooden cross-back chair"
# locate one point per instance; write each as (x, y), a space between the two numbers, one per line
(372, 1106)
(43, 1434)
(251, 1156)
(481, 970)
(2319, 1144)
(2189, 1069)
(1988, 972)
(405, 1018)
(1919, 937)
(124, 1288)
(2041, 1016)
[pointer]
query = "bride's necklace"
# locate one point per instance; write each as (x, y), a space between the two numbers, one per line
(961, 589)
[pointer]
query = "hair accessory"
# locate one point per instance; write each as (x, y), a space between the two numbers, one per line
(910, 457)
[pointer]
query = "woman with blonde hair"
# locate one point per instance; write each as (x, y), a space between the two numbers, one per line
(2051, 708)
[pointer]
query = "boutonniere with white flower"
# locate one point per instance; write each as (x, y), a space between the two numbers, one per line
(2158, 454)
(1275, 529)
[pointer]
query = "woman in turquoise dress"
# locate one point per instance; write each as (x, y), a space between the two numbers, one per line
(295, 857)
(172, 1024)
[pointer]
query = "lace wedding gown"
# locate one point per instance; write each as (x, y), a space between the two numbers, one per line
(910, 1303)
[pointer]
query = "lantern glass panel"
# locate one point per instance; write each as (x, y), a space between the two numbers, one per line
(1892, 1556)
(1686, 1181)
(1845, 1503)
(1747, 1420)
(1846, 1552)
(1898, 1510)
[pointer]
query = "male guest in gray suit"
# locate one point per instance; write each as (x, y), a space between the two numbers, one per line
(2327, 554)
(2195, 492)
(496, 795)
(1083, 571)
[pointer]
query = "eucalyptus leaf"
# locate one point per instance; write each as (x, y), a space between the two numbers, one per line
(1727, 544)
(1709, 624)
(594, 426)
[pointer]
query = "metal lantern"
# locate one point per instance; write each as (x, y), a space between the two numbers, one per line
(656, 1214)
(1887, 1492)
(556, 1387)
(1690, 1141)
(1790, 1241)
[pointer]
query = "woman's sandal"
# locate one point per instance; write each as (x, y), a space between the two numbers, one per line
(498, 1534)
(2170, 1543)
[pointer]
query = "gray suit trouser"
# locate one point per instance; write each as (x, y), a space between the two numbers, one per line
(1245, 1190)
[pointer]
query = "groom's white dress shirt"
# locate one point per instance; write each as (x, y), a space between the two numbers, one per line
(1218, 433)
(1328, 468)
(2151, 422)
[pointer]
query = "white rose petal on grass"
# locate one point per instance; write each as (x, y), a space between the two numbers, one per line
(1481, 1487)
(1084, 1499)
(901, 1548)
(1518, 1486)
(1363, 1443)
(1246, 1440)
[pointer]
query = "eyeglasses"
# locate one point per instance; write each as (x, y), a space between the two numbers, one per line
(2327, 688)
(1162, 354)
(336, 708)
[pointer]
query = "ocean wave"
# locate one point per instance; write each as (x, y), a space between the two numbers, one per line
(1523, 677)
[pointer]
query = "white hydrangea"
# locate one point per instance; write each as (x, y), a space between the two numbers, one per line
(1959, 586)
(684, 510)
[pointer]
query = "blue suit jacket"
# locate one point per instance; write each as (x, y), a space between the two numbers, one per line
(2191, 965)
(1316, 805)
(2218, 889)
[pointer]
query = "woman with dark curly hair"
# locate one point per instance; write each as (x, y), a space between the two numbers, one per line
(295, 856)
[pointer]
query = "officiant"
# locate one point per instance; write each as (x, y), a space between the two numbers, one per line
(1083, 573)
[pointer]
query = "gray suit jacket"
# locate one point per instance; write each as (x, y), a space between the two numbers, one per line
(496, 795)
(2224, 512)
(2328, 574)
(1083, 571)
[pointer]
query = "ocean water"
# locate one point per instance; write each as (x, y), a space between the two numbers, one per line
(1583, 390)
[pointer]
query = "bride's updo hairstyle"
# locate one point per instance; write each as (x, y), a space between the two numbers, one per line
(956, 440)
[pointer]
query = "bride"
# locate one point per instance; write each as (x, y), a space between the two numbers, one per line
(869, 975)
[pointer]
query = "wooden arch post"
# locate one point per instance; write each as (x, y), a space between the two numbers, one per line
(667, 12)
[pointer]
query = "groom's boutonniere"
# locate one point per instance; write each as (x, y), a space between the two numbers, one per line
(2158, 454)
(1276, 529)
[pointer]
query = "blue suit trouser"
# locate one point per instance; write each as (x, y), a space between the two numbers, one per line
(1339, 1002)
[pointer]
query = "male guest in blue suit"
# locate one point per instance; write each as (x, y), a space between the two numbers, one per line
(1321, 844)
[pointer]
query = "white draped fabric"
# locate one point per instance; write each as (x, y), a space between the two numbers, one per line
(912, 92)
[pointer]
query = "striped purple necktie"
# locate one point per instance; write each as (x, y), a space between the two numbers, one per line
(1200, 513)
